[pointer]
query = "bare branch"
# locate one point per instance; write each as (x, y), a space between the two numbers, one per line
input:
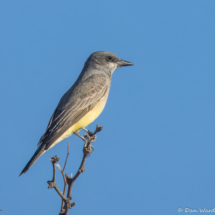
(64, 179)
(90, 137)
(52, 183)
(66, 203)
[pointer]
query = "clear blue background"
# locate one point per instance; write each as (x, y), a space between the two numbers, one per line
(156, 152)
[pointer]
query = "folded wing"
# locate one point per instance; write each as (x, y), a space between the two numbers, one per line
(74, 105)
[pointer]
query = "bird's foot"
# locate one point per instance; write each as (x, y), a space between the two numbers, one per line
(88, 132)
(90, 137)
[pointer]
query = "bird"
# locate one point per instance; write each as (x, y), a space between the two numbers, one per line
(82, 103)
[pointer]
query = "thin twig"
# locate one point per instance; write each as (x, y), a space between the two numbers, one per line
(66, 203)
(66, 156)
(52, 183)
(64, 179)
(86, 152)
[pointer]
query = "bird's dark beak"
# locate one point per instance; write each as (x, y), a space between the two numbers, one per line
(124, 63)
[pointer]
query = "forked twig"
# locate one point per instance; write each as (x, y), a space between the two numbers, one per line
(66, 203)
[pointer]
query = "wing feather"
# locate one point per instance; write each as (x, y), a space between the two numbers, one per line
(74, 105)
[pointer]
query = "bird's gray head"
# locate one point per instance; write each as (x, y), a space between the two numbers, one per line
(106, 61)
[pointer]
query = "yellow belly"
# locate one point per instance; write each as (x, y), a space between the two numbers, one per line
(84, 121)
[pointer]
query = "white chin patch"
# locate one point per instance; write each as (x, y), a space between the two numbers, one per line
(113, 66)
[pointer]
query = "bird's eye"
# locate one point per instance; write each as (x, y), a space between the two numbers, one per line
(109, 58)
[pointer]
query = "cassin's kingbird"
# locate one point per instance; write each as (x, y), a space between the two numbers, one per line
(82, 103)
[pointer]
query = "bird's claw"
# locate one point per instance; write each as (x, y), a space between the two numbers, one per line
(91, 138)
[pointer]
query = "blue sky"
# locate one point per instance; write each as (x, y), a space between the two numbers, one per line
(156, 152)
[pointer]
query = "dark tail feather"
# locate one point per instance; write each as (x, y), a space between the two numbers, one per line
(36, 155)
